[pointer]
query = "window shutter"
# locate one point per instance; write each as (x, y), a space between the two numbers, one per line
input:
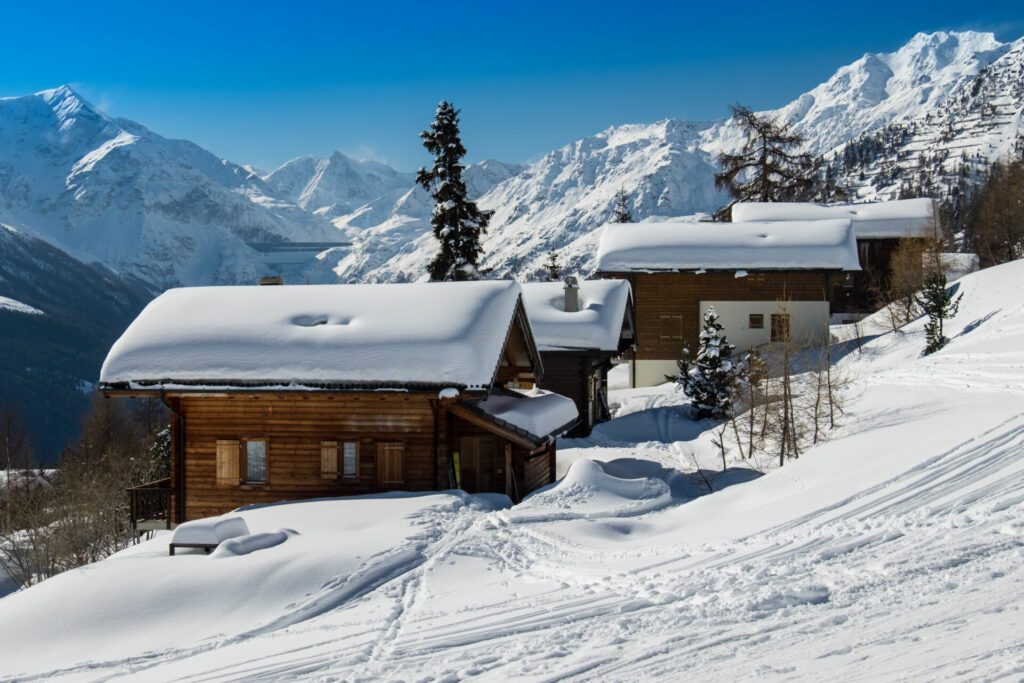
(328, 459)
(228, 457)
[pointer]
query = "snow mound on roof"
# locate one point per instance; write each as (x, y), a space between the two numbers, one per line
(539, 413)
(8, 304)
(876, 220)
(391, 335)
(210, 530)
(597, 325)
(587, 491)
(756, 246)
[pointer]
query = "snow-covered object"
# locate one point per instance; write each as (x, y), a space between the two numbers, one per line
(792, 245)
(9, 304)
(249, 543)
(874, 220)
(210, 530)
(596, 325)
(539, 413)
(313, 335)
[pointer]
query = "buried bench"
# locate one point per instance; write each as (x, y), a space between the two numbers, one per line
(207, 533)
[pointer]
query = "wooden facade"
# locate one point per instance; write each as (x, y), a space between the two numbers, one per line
(403, 441)
(582, 375)
(668, 302)
(861, 292)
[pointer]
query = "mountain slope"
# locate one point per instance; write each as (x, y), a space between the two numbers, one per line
(946, 99)
(50, 359)
(110, 190)
(942, 150)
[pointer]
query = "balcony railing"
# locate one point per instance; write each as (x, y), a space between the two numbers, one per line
(150, 505)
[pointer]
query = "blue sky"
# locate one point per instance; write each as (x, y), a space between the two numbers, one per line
(259, 82)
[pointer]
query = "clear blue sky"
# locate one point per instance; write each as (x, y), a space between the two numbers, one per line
(261, 82)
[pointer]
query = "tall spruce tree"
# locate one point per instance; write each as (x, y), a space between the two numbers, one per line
(938, 304)
(457, 222)
(710, 380)
(621, 214)
(769, 167)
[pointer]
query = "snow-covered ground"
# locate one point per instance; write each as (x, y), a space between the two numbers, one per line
(894, 550)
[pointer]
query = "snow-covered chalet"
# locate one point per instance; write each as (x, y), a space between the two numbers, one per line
(285, 392)
(581, 328)
(769, 282)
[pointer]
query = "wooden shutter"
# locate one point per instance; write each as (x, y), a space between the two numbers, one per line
(389, 465)
(328, 459)
(228, 458)
(672, 327)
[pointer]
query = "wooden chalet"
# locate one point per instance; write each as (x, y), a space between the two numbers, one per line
(581, 329)
(878, 228)
(308, 391)
(767, 281)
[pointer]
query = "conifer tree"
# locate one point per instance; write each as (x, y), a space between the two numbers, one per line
(457, 222)
(769, 167)
(621, 214)
(711, 378)
(938, 304)
(552, 269)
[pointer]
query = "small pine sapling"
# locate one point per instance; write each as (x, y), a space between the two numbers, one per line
(938, 304)
(552, 269)
(711, 378)
(621, 213)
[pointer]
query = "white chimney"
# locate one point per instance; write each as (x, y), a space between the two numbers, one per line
(572, 295)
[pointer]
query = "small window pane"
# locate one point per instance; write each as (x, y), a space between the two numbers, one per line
(351, 455)
(756, 321)
(256, 461)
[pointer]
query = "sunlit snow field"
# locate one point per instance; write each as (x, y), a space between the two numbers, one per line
(896, 549)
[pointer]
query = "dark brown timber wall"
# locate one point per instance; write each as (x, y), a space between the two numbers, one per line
(296, 426)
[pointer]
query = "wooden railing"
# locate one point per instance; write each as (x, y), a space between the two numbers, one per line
(150, 505)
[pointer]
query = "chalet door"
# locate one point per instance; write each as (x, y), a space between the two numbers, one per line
(389, 465)
(469, 463)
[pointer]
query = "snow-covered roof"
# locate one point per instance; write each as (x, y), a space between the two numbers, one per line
(596, 325)
(792, 245)
(385, 335)
(538, 413)
(875, 220)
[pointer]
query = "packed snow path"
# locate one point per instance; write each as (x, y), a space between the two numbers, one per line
(894, 550)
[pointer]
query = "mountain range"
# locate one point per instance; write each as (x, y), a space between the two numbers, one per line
(137, 213)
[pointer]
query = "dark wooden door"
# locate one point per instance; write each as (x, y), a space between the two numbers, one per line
(469, 463)
(389, 465)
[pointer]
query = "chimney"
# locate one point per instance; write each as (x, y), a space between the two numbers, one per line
(271, 280)
(572, 295)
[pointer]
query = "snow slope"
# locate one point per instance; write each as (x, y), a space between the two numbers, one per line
(895, 550)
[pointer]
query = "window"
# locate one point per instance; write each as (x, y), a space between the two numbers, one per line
(256, 462)
(672, 327)
(780, 327)
(756, 321)
(350, 459)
